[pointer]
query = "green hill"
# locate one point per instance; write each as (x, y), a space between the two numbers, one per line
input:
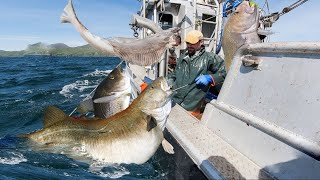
(58, 49)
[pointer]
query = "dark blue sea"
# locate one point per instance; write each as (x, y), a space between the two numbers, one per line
(27, 86)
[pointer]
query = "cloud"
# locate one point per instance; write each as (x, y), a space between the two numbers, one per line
(18, 38)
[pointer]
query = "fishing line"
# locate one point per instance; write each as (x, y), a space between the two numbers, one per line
(189, 85)
(181, 87)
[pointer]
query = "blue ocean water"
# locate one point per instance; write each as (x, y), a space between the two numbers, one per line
(27, 86)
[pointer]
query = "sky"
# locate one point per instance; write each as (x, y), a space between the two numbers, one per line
(25, 22)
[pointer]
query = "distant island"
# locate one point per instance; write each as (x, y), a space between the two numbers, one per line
(58, 49)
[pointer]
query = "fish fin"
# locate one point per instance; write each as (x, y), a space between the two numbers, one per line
(264, 32)
(67, 12)
(52, 115)
(85, 106)
(151, 47)
(106, 99)
(151, 123)
(167, 146)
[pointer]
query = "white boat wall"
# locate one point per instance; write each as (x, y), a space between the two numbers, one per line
(264, 123)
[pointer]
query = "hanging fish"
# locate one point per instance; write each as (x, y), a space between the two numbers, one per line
(143, 52)
(241, 28)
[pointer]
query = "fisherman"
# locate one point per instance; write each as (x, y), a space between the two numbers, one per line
(196, 71)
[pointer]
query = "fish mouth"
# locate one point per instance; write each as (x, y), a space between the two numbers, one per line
(250, 10)
(167, 99)
(249, 7)
(169, 93)
(165, 86)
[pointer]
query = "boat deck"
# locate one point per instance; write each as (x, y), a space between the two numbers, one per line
(213, 155)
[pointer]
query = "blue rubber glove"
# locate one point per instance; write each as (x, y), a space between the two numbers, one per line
(204, 80)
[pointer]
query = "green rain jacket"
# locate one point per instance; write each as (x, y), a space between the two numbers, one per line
(188, 69)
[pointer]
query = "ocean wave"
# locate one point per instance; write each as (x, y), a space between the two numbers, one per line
(98, 73)
(66, 174)
(113, 171)
(16, 158)
(79, 86)
(84, 95)
(23, 102)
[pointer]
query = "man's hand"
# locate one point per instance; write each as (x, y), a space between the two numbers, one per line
(204, 80)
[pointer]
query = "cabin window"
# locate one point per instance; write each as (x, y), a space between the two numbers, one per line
(165, 21)
(208, 25)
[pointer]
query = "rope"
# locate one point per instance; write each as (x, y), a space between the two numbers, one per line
(271, 18)
(266, 3)
(293, 6)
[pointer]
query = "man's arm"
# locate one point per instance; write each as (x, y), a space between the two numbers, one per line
(217, 69)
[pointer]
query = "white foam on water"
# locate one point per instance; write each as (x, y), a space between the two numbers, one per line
(79, 86)
(98, 73)
(66, 174)
(80, 150)
(75, 165)
(16, 158)
(84, 95)
(29, 91)
(97, 166)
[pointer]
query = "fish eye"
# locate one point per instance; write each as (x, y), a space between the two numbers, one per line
(111, 77)
(152, 87)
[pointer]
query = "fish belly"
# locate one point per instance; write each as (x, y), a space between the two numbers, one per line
(105, 110)
(136, 148)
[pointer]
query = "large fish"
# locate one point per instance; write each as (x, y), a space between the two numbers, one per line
(241, 28)
(144, 52)
(111, 96)
(131, 136)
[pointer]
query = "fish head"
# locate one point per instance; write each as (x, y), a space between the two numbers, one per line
(245, 18)
(156, 99)
(117, 78)
(116, 82)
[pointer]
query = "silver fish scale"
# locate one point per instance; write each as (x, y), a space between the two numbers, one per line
(105, 110)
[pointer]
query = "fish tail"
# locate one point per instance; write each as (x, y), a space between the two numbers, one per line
(68, 13)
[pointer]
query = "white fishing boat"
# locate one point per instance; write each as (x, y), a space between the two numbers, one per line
(264, 123)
